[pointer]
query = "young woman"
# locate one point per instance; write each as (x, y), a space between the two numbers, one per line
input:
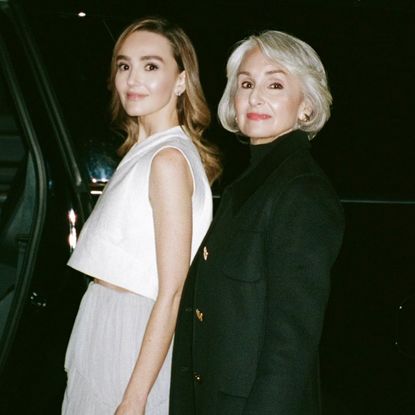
(145, 229)
(259, 285)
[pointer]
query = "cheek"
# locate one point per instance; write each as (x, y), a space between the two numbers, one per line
(160, 85)
(289, 106)
(295, 111)
(154, 85)
(118, 83)
(239, 103)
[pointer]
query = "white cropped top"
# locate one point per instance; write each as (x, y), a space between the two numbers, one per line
(117, 242)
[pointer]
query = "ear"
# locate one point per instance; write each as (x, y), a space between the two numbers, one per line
(180, 84)
(305, 111)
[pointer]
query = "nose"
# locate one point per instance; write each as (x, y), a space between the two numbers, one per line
(134, 77)
(255, 97)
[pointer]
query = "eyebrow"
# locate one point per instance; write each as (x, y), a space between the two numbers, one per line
(152, 57)
(274, 71)
(143, 58)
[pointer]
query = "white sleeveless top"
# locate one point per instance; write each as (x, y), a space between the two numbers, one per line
(117, 242)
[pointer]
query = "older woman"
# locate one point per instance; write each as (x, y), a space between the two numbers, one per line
(253, 306)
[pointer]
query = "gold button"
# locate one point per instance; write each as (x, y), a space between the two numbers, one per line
(205, 253)
(199, 315)
(197, 378)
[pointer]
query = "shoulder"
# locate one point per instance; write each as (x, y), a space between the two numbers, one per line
(300, 173)
(308, 188)
(312, 196)
(169, 159)
(173, 146)
(308, 184)
(170, 166)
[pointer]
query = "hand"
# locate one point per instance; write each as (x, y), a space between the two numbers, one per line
(127, 408)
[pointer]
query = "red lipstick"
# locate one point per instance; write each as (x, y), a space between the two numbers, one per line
(255, 116)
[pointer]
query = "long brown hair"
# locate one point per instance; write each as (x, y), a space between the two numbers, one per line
(192, 109)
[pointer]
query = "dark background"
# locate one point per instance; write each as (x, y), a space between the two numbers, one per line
(367, 149)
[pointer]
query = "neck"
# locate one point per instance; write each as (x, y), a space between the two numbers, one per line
(259, 141)
(147, 129)
(157, 122)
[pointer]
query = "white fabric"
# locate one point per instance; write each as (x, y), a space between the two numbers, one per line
(102, 351)
(117, 242)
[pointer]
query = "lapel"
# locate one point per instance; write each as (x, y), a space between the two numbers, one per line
(244, 187)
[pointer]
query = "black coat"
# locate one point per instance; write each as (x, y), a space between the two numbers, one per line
(253, 305)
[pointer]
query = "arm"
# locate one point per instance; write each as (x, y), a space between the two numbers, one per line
(302, 242)
(170, 193)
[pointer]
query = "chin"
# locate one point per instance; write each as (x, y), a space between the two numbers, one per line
(258, 135)
(134, 113)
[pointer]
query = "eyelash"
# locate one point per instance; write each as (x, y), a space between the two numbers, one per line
(154, 67)
(278, 85)
(123, 66)
(246, 84)
(274, 85)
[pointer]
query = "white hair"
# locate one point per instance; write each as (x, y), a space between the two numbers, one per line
(300, 59)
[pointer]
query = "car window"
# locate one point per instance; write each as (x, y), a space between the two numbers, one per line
(11, 146)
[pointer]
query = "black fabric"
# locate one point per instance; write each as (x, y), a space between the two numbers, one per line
(261, 280)
(259, 151)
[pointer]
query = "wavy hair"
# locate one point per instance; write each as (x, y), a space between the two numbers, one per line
(192, 110)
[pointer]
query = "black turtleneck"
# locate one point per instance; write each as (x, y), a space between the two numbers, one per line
(259, 151)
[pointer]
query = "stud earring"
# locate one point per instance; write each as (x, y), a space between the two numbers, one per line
(305, 118)
(178, 93)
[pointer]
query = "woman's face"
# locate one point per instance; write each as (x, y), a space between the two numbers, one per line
(147, 77)
(269, 100)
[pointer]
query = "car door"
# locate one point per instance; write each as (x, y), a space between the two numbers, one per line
(43, 202)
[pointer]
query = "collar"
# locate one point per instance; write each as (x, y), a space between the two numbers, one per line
(244, 187)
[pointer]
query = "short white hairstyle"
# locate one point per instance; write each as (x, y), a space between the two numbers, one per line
(300, 59)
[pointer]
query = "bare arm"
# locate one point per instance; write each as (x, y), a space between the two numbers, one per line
(170, 193)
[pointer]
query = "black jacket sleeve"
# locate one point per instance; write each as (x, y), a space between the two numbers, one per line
(302, 241)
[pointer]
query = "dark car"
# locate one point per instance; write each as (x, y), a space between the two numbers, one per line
(58, 149)
(43, 199)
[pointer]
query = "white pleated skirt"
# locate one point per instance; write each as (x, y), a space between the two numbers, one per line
(103, 350)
